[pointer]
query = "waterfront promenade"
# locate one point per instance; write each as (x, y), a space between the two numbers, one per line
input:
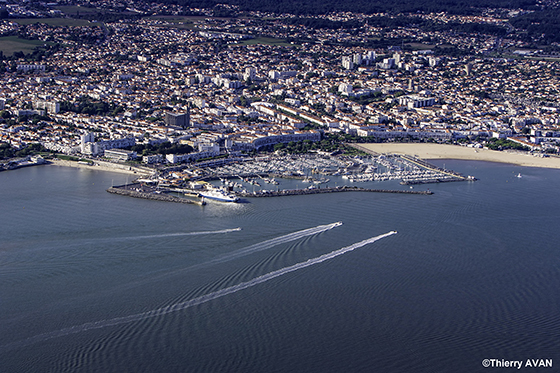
(103, 166)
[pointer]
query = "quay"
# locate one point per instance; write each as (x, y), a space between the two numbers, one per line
(137, 191)
(298, 192)
(432, 181)
(422, 163)
(447, 175)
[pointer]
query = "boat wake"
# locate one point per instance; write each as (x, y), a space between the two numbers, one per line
(181, 234)
(261, 246)
(193, 302)
(273, 242)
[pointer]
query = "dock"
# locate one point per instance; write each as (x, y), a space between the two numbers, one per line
(299, 192)
(439, 175)
(136, 191)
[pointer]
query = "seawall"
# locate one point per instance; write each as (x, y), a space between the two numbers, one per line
(298, 192)
(152, 196)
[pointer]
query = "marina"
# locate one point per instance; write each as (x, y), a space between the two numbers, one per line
(276, 176)
(314, 168)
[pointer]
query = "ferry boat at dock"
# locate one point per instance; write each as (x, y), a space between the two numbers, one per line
(219, 195)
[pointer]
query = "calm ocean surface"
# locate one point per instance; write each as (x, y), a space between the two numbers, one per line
(94, 282)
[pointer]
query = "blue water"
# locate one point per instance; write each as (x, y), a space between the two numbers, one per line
(94, 282)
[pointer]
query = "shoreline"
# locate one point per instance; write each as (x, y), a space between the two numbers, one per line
(445, 151)
(426, 151)
(106, 166)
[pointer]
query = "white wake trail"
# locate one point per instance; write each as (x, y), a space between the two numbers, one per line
(273, 242)
(181, 234)
(261, 246)
(193, 302)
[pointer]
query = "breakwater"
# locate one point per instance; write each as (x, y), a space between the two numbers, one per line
(138, 193)
(298, 192)
(430, 181)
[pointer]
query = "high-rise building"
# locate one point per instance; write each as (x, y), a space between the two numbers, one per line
(178, 119)
(250, 73)
(387, 64)
(347, 63)
(357, 59)
(87, 137)
(433, 61)
(52, 107)
(345, 88)
(88, 144)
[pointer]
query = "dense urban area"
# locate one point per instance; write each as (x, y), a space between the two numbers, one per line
(164, 84)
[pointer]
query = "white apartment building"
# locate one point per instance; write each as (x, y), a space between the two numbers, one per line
(347, 62)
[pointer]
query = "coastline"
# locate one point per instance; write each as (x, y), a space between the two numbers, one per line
(445, 151)
(424, 151)
(101, 166)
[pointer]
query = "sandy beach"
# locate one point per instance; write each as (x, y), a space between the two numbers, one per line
(100, 166)
(443, 151)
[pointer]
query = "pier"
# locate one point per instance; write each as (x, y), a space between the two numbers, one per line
(299, 192)
(446, 175)
(138, 191)
(422, 163)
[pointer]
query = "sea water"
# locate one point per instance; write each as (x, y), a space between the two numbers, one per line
(95, 282)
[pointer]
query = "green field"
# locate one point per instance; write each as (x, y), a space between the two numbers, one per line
(54, 21)
(74, 10)
(266, 41)
(183, 26)
(420, 46)
(180, 22)
(11, 44)
(179, 19)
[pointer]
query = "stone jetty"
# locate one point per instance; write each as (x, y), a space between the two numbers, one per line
(138, 193)
(298, 192)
